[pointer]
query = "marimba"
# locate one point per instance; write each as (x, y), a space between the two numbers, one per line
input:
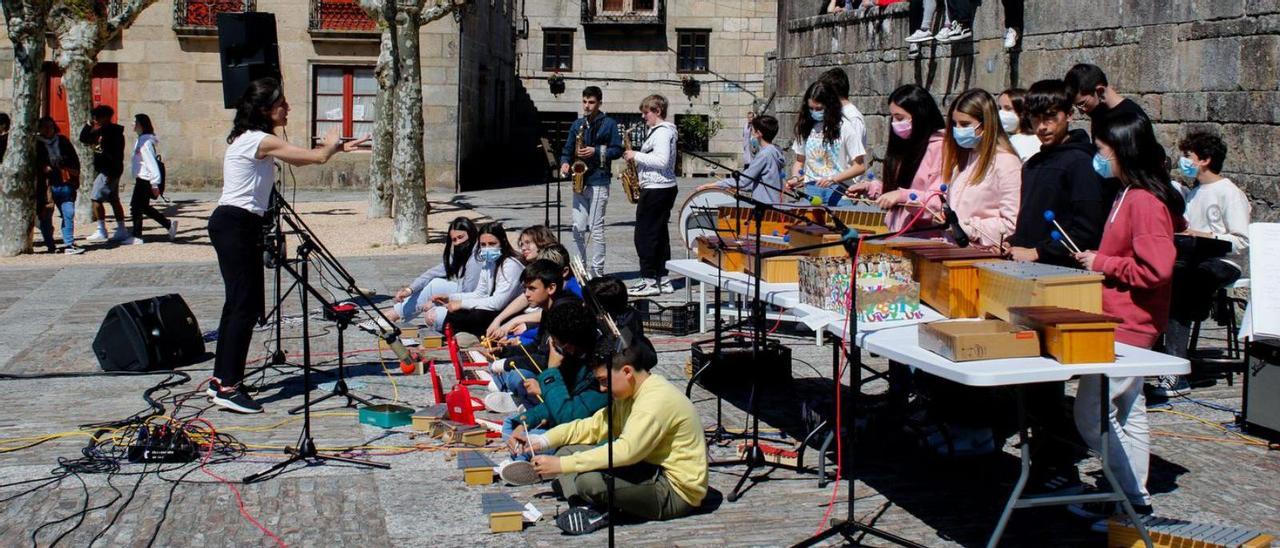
(948, 277)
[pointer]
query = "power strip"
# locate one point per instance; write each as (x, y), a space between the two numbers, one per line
(161, 444)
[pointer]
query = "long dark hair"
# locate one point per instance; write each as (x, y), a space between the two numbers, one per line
(826, 95)
(1018, 97)
(1142, 161)
(903, 157)
(144, 121)
(497, 231)
(253, 111)
(455, 259)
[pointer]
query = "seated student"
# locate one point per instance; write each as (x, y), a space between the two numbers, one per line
(565, 390)
(763, 177)
(532, 240)
(458, 272)
(1136, 258)
(612, 296)
(983, 174)
(499, 284)
(516, 320)
(659, 455)
(543, 289)
(1218, 209)
(913, 160)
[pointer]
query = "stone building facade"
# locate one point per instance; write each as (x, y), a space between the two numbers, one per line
(1191, 65)
(634, 48)
(167, 65)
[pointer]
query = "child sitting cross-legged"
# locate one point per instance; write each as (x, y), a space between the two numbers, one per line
(659, 455)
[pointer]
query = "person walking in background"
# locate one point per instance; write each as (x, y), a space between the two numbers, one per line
(147, 180)
(107, 140)
(1013, 116)
(749, 148)
(57, 176)
(656, 165)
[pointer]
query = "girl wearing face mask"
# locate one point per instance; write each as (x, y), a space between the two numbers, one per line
(1016, 123)
(499, 284)
(914, 157)
(827, 145)
(982, 173)
(458, 272)
(1136, 258)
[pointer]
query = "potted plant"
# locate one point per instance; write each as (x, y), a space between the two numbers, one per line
(690, 86)
(556, 82)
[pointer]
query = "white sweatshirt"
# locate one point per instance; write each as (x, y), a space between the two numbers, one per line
(1222, 209)
(494, 292)
(144, 162)
(656, 160)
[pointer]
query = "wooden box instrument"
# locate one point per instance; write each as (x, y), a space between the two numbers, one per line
(1070, 336)
(477, 469)
(505, 514)
(738, 220)
(884, 291)
(1176, 533)
(807, 235)
(948, 278)
(899, 245)
(775, 270)
(722, 253)
(1006, 284)
(865, 217)
(425, 420)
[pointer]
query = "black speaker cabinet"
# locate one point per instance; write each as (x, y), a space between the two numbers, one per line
(148, 335)
(1261, 412)
(736, 367)
(248, 49)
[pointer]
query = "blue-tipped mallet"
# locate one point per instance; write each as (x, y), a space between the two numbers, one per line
(1061, 233)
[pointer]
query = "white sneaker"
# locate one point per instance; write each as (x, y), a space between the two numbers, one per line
(498, 366)
(1010, 38)
(122, 234)
(920, 35)
(173, 230)
(665, 287)
(72, 250)
(98, 235)
(646, 287)
(375, 326)
(133, 241)
(913, 51)
(944, 34)
(500, 402)
(518, 472)
(958, 32)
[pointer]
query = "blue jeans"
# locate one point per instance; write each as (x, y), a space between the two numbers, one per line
(511, 381)
(68, 211)
(509, 425)
(411, 306)
(826, 195)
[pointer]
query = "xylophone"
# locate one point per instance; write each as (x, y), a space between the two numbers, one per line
(729, 259)
(863, 216)
(775, 270)
(1006, 284)
(899, 245)
(738, 220)
(1070, 336)
(948, 277)
(1176, 533)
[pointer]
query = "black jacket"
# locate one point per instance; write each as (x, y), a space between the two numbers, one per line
(108, 152)
(1061, 179)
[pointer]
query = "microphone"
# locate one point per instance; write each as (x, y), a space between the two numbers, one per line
(953, 221)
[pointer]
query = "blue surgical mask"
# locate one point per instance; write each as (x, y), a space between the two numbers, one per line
(490, 255)
(1102, 165)
(755, 144)
(966, 137)
(816, 115)
(1188, 168)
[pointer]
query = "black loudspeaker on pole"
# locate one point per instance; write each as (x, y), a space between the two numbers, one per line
(249, 50)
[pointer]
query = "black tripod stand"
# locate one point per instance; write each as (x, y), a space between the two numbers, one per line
(341, 316)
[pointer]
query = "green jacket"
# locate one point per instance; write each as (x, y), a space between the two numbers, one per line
(563, 402)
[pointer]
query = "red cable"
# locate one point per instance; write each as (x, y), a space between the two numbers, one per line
(842, 363)
(239, 501)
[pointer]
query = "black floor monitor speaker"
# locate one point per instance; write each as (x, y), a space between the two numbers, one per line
(249, 50)
(148, 335)
(1261, 413)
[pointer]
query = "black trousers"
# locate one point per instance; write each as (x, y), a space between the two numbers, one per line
(962, 11)
(140, 205)
(653, 242)
(471, 321)
(1013, 14)
(237, 239)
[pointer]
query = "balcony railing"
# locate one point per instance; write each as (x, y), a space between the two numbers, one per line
(200, 17)
(340, 20)
(629, 13)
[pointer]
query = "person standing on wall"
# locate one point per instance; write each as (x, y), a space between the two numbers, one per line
(601, 144)
(107, 140)
(656, 166)
(235, 227)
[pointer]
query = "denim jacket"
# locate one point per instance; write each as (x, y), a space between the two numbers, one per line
(602, 134)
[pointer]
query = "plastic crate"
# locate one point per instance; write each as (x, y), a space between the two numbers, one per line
(674, 319)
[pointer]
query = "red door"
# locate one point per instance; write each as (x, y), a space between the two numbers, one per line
(104, 86)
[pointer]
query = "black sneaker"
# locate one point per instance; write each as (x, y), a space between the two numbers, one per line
(1104, 510)
(581, 520)
(236, 399)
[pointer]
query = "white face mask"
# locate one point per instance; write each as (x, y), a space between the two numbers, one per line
(1009, 120)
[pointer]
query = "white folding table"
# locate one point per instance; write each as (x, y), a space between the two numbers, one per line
(785, 295)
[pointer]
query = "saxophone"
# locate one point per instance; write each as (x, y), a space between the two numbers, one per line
(630, 180)
(579, 168)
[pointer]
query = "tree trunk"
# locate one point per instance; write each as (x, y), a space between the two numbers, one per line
(77, 68)
(408, 169)
(381, 185)
(17, 171)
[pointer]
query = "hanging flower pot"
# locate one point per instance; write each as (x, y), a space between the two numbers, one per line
(556, 83)
(690, 86)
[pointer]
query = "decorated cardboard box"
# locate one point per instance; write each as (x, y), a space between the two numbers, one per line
(883, 287)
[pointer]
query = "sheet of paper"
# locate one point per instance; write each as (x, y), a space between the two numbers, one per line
(1264, 265)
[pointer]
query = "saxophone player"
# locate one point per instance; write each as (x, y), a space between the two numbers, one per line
(600, 144)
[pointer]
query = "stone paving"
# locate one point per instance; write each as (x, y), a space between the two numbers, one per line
(48, 317)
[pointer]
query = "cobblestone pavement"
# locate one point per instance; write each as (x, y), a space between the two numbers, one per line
(48, 318)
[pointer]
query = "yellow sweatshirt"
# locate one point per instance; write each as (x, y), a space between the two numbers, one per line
(658, 426)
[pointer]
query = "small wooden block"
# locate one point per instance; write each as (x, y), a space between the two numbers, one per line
(475, 437)
(425, 420)
(1070, 336)
(505, 514)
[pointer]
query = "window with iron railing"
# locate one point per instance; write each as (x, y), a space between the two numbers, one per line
(337, 18)
(623, 12)
(200, 17)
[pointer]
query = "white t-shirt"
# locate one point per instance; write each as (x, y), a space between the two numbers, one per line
(1025, 145)
(823, 159)
(246, 180)
(1222, 209)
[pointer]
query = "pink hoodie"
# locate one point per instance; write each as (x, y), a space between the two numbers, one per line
(1136, 256)
(926, 180)
(988, 208)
